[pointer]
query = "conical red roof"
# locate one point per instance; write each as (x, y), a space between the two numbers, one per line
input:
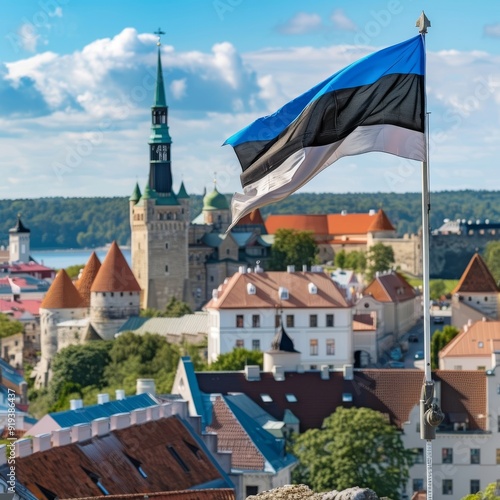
(62, 294)
(115, 274)
(381, 222)
(84, 284)
(253, 218)
(476, 278)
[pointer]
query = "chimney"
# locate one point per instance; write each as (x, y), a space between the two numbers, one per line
(41, 442)
(61, 437)
(119, 394)
(252, 372)
(145, 385)
(119, 421)
(102, 398)
(138, 416)
(100, 426)
(23, 448)
(81, 432)
(242, 269)
(290, 269)
(304, 268)
(325, 372)
(75, 404)
(348, 372)
(278, 373)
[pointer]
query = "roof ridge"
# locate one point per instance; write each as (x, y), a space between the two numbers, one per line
(62, 294)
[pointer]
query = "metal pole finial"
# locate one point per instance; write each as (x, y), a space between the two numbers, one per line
(159, 32)
(423, 23)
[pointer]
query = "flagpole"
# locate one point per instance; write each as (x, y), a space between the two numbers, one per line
(430, 413)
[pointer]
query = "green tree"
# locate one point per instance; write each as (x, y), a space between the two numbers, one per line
(490, 493)
(9, 326)
(355, 446)
(74, 271)
(492, 258)
(341, 259)
(174, 309)
(439, 339)
(79, 365)
(236, 360)
(356, 261)
(380, 258)
(437, 288)
(293, 248)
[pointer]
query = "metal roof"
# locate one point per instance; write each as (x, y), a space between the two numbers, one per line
(189, 324)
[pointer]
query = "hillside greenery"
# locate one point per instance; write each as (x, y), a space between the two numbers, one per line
(93, 222)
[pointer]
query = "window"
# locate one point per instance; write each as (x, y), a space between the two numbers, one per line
(313, 320)
(475, 456)
(329, 320)
(498, 423)
(290, 320)
(166, 246)
(266, 398)
(447, 455)
(330, 347)
(418, 484)
(419, 455)
(475, 486)
(277, 321)
(291, 398)
(178, 458)
(251, 490)
(313, 347)
(256, 344)
(239, 343)
(447, 487)
(239, 321)
(498, 456)
(166, 268)
(256, 321)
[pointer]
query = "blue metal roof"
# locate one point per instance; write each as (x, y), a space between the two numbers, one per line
(86, 414)
(9, 374)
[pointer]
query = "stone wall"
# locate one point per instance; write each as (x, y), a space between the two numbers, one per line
(302, 492)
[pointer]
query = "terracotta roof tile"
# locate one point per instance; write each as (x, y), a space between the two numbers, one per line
(476, 278)
(215, 494)
(480, 339)
(315, 223)
(381, 222)
(234, 294)
(232, 437)
(393, 392)
(62, 294)
(166, 451)
(115, 274)
(390, 287)
(253, 218)
(364, 322)
(89, 272)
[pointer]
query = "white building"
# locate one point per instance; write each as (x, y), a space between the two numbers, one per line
(247, 309)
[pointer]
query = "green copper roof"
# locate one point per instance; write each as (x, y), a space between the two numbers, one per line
(136, 195)
(166, 199)
(215, 201)
(159, 100)
(182, 194)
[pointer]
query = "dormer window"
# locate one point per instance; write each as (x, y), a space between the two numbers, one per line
(283, 293)
(251, 290)
(313, 289)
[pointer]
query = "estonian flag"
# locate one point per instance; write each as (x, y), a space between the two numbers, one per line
(375, 104)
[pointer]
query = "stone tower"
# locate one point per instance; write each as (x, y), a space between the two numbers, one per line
(159, 218)
(19, 242)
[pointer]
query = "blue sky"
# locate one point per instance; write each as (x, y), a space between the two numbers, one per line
(76, 83)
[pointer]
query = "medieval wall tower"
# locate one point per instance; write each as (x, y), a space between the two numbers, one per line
(159, 219)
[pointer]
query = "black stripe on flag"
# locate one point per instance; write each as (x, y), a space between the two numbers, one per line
(396, 99)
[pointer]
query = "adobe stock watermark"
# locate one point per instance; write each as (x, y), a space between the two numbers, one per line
(28, 33)
(75, 154)
(223, 7)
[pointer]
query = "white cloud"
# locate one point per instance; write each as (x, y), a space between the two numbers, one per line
(342, 22)
(492, 30)
(178, 88)
(301, 24)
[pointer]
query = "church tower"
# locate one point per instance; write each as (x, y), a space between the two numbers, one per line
(19, 242)
(159, 218)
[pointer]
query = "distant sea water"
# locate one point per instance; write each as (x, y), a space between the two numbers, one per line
(64, 258)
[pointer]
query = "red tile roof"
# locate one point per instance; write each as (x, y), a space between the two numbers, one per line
(476, 278)
(364, 322)
(335, 225)
(62, 294)
(480, 339)
(234, 294)
(84, 283)
(115, 274)
(18, 307)
(165, 450)
(390, 287)
(253, 218)
(232, 437)
(393, 392)
(215, 494)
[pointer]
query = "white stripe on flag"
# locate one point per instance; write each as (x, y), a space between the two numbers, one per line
(303, 165)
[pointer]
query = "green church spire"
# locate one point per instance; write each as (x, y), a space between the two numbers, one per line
(160, 101)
